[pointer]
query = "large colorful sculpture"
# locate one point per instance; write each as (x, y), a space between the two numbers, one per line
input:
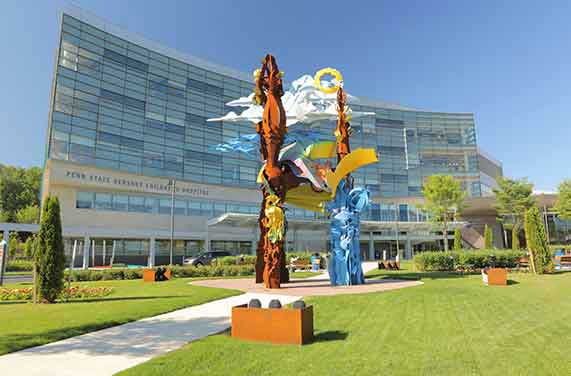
(297, 167)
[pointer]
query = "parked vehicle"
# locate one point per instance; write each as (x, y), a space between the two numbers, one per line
(205, 258)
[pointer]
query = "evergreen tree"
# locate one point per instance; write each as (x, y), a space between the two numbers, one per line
(13, 245)
(457, 240)
(536, 238)
(488, 238)
(49, 254)
(29, 246)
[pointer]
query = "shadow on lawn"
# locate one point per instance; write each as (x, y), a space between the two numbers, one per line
(111, 299)
(415, 276)
(92, 300)
(330, 335)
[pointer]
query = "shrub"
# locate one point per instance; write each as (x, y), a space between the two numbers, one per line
(49, 255)
(20, 266)
(237, 260)
(466, 260)
(302, 256)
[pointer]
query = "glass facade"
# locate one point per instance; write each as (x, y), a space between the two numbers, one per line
(120, 105)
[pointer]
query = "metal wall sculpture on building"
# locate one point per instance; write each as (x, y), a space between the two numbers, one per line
(292, 172)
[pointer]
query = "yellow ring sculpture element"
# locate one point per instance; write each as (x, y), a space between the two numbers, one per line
(335, 73)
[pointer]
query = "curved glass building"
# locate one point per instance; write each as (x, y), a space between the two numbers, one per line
(130, 155)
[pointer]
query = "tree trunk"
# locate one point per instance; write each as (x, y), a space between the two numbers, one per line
(515, 237)
(445, 236)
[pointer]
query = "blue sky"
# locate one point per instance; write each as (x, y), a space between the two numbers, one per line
(506, 61)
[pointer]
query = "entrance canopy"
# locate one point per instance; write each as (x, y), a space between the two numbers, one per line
(251, 220)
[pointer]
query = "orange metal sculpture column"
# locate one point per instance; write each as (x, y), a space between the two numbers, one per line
(262, 220)
(269, 91)
(342, 132)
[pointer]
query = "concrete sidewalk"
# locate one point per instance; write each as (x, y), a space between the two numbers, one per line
(111, 350)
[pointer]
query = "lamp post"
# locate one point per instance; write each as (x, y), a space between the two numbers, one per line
(172, 184)
(397, 229)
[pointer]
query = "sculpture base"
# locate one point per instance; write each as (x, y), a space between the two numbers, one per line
(495, 276)
(274, 325)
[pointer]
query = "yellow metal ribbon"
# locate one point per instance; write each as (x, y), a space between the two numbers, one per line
(276, 219)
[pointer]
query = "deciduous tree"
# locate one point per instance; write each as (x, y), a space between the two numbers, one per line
(19, 188)
(513, 199)
(29, 214)
(443, 200)
(563, 203)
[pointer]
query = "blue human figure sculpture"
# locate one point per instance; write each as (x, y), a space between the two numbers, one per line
(345, 264)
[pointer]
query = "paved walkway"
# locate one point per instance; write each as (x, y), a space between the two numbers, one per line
(366, 265)
(312, 286)
(111, 350)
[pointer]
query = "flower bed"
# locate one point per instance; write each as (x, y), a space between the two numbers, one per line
(75, 292)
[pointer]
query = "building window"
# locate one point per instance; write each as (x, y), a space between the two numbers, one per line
(84, 200)
(103, 201)
(120, 202)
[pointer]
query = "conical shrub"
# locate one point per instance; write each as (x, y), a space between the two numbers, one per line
(49, 255)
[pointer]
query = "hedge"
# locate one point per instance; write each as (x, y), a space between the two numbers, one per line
(178, 272)
(251, 259)
(467, 260)
(237, 260)
(20, 266)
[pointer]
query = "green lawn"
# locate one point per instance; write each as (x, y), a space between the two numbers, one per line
(302, 275)
(24, 324)
(18, 273)
(452, 325)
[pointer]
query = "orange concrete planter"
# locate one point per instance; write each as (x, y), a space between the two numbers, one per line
(275, 325)
(495, 276)
(149, 275)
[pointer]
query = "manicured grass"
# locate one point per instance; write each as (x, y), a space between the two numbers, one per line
(25, 324)
(451, 325)
(18, 273)
(302, 275)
